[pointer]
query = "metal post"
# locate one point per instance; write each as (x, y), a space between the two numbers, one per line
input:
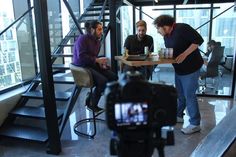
(140, 13)
(31, 29)
(134, 18)
(211, 21)
(42, 31)
(112, 8)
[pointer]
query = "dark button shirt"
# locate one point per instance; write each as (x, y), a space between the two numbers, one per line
(86, 50)
(136, 46)
(180, 39)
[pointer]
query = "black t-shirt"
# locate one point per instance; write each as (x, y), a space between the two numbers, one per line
(180, 39)
(137, 47)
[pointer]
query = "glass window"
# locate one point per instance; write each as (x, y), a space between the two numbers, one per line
(12, 56)
(126, 23)
(223, 30)
(148, 15)
(9, 35)
(2, 70)
(7, 80)
(9, 47)
(223, 25)
(10, 68)
(195, 16)
(12, 45)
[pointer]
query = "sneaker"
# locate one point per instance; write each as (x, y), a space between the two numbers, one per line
(190, 129)
(98, 109)
(180, 120)
(95, 109)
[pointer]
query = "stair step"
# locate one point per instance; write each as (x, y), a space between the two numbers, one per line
(74, 35)
(97, 4)
(67, 45)
(61, 66)
(94, 14)
(24, 132)
(97, 9)
(61, 96)
(33, 112)
(62, 80)
(103, 20)
(62, 55)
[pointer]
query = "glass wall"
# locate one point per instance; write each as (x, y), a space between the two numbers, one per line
(148, 15)
(195, 16)
(223, 30)
(126, 23)
(18, 46)
(10, 71)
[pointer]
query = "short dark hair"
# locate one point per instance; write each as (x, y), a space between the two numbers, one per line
(164, 20)
(211, 42)
(91, 24)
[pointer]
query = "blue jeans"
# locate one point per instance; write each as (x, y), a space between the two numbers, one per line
(186, 86)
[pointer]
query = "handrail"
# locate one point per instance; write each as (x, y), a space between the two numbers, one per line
(221, 136)
(215, 17)
(73, 16)
(102, 12)
(144, 13)
(130, 4)
(197, 27)
(16, 21)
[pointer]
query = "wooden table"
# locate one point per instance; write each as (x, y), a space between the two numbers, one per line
(153, 60)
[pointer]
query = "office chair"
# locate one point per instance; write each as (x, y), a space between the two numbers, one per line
(212, 71)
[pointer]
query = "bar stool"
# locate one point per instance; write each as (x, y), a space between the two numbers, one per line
(83, 79)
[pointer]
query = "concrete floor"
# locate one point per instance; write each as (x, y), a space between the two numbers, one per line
(212, 111)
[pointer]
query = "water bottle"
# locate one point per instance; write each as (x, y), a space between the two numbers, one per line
(170, 53)
(146, 50)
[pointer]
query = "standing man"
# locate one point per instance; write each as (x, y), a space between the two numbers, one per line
(185, 41)
(135, 45)
(86, 50)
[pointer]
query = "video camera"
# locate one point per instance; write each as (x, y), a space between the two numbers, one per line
(136, 110)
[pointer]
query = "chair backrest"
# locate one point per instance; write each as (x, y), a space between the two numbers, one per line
(82, 76)
(216, 58)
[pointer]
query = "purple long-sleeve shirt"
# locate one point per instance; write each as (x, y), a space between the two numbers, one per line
(86, 50)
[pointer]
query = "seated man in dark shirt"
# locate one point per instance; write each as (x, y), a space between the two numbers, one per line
(135, 44)
(215, 54)
(85, 54)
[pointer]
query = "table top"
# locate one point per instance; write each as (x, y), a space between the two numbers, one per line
(152, 60)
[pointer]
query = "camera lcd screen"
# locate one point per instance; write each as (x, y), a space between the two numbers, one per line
(131, 113)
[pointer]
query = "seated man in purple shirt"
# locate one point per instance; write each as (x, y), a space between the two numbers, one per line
(86, 50)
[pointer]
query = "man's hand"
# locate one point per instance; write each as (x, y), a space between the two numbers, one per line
(187, 52)
(180, 58)
(102, 61)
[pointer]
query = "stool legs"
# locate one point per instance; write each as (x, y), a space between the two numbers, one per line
(93, 120)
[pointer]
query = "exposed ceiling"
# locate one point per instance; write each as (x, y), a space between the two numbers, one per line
(171, 2)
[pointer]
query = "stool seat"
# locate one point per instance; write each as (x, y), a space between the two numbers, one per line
(83, 79)
(82, 76)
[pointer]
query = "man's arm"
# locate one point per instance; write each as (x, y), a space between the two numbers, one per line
(192, 36)
(188, 51)
(127, 43)
(83, 52)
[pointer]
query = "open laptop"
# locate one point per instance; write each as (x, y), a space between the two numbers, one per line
(140, 57)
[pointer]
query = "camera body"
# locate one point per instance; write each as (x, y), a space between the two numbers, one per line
(135, 104)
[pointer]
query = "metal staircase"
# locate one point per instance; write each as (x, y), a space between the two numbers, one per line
(27, 119)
